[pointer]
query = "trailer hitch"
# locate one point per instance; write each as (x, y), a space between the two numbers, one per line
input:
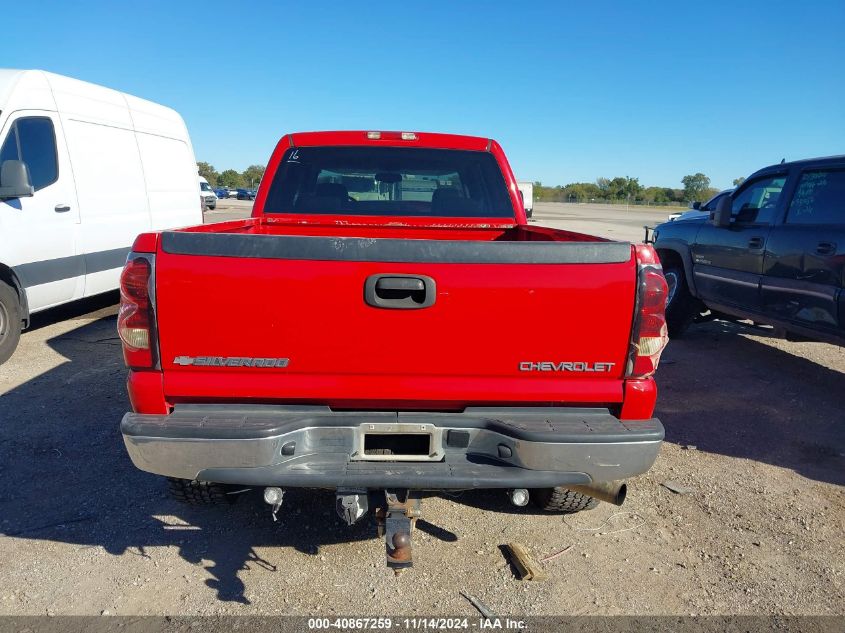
(396, 521)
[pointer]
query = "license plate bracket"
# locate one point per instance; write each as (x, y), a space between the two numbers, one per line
(398, 442)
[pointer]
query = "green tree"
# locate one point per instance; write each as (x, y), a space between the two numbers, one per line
(604, 186)
(739, 181)
(696, 187)
(632, 188)
(616, 188)
(231, 179)
(252, 175)
(581, 192)
(207, 171)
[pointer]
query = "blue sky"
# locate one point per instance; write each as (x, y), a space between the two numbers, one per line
(573, 91)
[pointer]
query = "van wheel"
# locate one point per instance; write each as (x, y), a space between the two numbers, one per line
(681, 306)
(562, 500)
(10, 321)
(201, 493)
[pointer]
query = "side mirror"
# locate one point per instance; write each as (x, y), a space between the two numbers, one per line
(521, 196)
(14, 180)
(722, 215)
(695, 205)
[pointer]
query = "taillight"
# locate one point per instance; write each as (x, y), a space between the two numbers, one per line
(649, 335)
(136, 317)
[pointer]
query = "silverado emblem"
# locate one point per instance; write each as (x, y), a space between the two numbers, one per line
(565, 366)
(230, 361)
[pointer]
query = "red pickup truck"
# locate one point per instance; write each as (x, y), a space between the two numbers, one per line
(385, 325)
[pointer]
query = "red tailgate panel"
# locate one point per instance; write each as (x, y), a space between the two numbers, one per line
(465, 349)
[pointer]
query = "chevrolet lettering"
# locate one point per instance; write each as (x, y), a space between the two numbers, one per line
(565, 366)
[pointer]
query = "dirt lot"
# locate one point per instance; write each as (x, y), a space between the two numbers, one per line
(755, 431)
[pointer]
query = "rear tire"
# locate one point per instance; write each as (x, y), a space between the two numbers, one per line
(562, 500)
(10, 321)
(681, 306)
(201, 493)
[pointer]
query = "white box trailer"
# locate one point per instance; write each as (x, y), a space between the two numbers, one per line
(527, 191)
(83, 170)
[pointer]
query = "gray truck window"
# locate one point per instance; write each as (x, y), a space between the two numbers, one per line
(33, 140)
(819, 199)
(757, 202)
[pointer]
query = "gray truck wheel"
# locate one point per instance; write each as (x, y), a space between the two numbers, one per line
(10, 321)
(200, 493)
(681, 306)
(562, 500)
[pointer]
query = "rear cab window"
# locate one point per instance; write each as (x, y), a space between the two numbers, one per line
(389, 181)
(819, 198)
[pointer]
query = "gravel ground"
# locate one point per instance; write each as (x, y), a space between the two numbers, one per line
(755, 432)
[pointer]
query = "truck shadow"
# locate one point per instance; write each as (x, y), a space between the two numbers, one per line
(65, 476)
(723, 391)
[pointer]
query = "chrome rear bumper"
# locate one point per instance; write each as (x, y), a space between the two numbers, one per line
(317, 447)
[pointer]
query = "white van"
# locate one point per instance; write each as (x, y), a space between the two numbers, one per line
(83, 170)
(526, 190)
(208, 194)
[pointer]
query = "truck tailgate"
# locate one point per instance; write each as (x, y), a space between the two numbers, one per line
(538, 322)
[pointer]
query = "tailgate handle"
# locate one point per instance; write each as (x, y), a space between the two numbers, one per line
(400, 292)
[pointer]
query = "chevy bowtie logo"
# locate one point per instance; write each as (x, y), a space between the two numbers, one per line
(230, 361)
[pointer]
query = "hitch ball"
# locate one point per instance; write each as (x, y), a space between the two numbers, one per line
(273, 496)
(518, 496)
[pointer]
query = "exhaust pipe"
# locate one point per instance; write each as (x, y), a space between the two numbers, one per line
(608, 491)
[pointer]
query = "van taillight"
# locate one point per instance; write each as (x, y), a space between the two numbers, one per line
(136, 317)
(649, 334)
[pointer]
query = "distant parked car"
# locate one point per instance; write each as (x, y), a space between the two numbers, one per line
(245, 194)
(698, 210)
(232, 193)
(221, 192)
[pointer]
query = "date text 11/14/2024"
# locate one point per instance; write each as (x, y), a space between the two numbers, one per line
(434, 624)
